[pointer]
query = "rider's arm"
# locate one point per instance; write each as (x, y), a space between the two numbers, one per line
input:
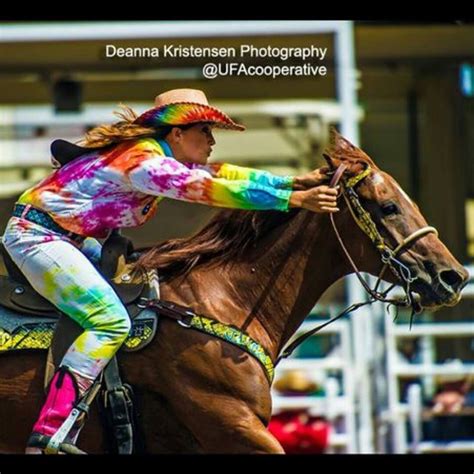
(167, 177)
(233, 172)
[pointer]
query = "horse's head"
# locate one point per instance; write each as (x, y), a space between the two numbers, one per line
(437, 276)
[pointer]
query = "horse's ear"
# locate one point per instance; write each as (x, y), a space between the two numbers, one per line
(340, 146)
(333, 163)
(353, 167)
(337, 141)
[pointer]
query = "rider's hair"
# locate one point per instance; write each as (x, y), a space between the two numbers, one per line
(125, 129)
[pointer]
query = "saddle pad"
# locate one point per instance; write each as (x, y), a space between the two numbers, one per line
(18, 331)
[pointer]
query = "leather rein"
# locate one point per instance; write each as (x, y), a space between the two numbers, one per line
(388, 255)
(184, 316)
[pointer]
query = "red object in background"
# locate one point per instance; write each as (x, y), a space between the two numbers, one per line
(298, 433)
(286, 427)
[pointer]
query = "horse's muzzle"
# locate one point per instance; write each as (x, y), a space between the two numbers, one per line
(444, 289)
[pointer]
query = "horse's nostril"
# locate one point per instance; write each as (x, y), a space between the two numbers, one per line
(451, 278)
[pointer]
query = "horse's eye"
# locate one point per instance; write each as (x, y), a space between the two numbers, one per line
(389, 209)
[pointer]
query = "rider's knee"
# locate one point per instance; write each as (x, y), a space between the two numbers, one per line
(121, 325)
(125, 326)
(116, 322)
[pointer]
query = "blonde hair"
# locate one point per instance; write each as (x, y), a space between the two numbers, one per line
(125, 129)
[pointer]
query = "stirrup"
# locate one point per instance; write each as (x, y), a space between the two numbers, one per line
(42, 442)
(62, 442)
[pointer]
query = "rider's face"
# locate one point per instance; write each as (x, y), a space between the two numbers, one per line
(193, 144)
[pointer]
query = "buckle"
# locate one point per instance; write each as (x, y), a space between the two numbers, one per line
(186, 321)
(184, 324)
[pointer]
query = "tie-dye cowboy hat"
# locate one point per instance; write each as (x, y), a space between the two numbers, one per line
(185, 106)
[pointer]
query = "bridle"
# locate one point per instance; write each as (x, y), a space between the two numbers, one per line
(388, 255)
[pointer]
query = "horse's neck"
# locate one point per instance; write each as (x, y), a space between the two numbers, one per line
(270, 294)
(316, 262)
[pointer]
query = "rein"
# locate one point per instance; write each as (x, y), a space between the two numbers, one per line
(188, 319)
(388, 256)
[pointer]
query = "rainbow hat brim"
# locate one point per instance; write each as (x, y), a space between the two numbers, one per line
(183, 113)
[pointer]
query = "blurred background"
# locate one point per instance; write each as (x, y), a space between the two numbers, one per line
(403, 92)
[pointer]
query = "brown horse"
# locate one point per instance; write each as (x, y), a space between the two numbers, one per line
(261, 272)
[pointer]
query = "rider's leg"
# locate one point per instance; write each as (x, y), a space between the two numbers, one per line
(63, 275)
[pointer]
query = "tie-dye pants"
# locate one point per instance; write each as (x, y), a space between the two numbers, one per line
(63, 272)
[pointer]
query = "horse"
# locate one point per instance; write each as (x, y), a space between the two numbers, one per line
(259, 271)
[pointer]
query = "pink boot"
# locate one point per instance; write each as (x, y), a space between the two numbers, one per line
(62, 395)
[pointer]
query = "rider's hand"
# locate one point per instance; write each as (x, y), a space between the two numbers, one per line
(311, 179)
(319, 199)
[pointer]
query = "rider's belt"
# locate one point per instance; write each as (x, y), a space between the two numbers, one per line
(43, 219)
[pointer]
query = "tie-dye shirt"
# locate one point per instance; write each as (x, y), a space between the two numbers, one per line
(122, 186)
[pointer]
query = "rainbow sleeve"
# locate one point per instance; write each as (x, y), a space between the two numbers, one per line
(234, 172)
(220, 185)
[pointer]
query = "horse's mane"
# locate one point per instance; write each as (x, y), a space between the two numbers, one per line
(228, 236)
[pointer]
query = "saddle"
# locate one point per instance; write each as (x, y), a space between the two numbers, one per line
(17, 294)
(30, 322)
